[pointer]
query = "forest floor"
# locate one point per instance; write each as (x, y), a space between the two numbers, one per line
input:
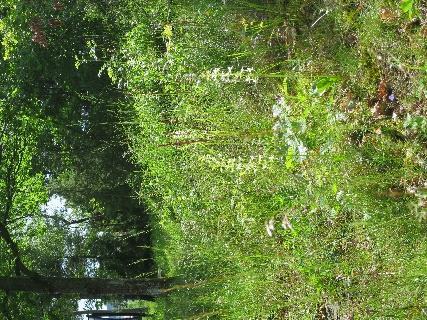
(283, 155)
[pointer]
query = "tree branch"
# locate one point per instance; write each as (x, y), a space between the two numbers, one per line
(5, 235)
(63, 220)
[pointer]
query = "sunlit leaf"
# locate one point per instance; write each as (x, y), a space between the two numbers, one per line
(324, 84)
(408, 7)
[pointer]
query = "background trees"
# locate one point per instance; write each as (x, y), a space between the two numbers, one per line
(62, 137)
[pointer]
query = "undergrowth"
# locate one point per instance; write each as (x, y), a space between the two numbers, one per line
(282, 148)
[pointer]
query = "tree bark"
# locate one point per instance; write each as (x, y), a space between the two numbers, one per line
(87, 288)
(118, 312)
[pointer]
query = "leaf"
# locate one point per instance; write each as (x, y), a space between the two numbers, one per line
(408, 7)
(334, 188)
(324, 84)
(290, 158)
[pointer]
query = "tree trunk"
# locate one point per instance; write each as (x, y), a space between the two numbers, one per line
(87, 288)
(119, 312)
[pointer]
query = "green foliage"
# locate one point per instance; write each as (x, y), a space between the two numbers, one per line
(324, 84)
(408, 7)
(238, 129)
(416, 125)
(279, 148)
(61, 133)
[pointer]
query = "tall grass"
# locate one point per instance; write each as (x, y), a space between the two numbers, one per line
(251, 115)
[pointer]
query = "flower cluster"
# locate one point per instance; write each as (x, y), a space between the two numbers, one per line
(245, 74)
(285, 223)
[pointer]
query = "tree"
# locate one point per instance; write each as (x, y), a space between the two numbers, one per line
(138, 312)
(89, 288)
(51, 63)
(61, 133)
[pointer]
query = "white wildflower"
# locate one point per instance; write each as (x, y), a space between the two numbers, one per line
(340, 116)
(286, 224)
(276, 110)
(394, 116)
(280, 100)
(269, 226)
(302, 152)
(251, 80)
